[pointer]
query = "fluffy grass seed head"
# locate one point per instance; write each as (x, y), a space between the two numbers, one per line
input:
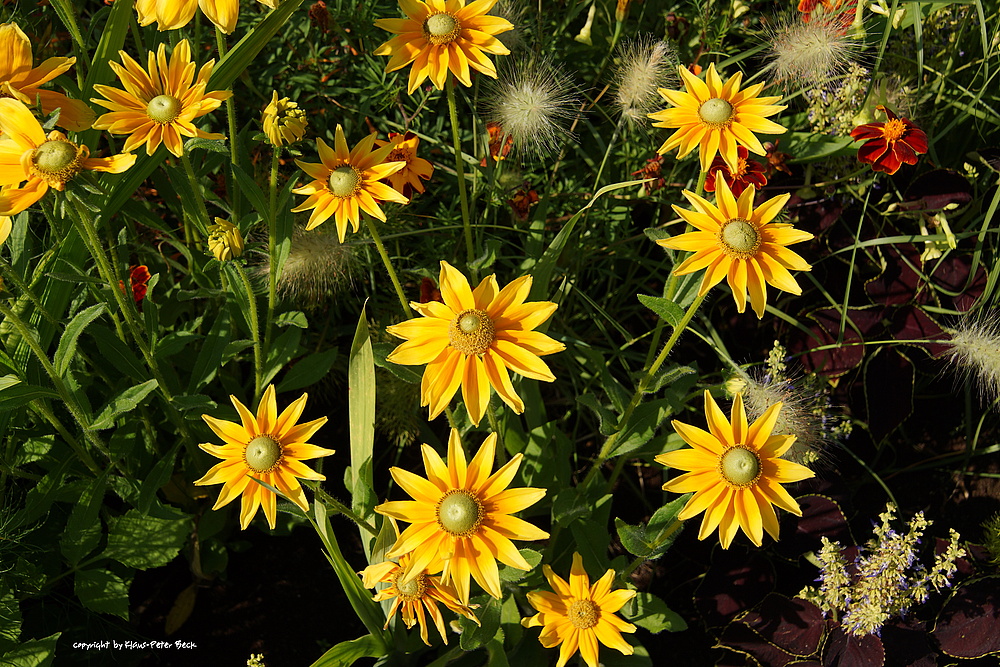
(975, 353)
(318, 267)
(533, 101)
(810, 51)
(645, 64)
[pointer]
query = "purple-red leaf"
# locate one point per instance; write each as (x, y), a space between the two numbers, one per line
(846, 650)
(794, 625)
(969, 623)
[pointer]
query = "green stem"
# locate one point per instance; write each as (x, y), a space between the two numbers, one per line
(258, 360)
(388, 265)
(272, 246)
(607, 152)
(340, 507)
(463, 197)
(220, 41)
(609, 444)
(202, 212)
(27, 335)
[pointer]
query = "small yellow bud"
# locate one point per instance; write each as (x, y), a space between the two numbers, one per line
(225, 240)
(284, 122)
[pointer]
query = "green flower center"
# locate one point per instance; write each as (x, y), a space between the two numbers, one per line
(345, 181)
(583, 614)
(716, 112)
(739, 239)
(411, 590)
(53, 156)
(263, 454)
(441, 29)
(472, 332)
(739, 466)
(163, 109)
(459, 513)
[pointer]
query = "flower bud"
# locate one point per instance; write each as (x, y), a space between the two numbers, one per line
(225, 240)
(284, 122)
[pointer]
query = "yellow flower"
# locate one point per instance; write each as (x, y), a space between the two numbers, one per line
(27, 154)
(735, 472)
(347, 182)
(270, 448)
(718, 117)
(740, 243)
(578, 615)
(472, 339)
(404, 149)
(441, 35)
(173, 14)
(225, 240)
(460, 514)
(18, 79)
(284, 122)
(421, 592)
(159, 106)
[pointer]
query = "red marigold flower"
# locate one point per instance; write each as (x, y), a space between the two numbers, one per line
(888, 145)
(138, 278)
(748, 172)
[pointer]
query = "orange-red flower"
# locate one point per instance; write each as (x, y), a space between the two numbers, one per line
(888, 145)
(748, 172)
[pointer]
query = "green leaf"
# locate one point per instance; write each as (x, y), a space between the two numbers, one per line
(293, 318)
(210, 357)
(250, 189)
(155, 479)
(124, 402)
(283, 350)
(308, 370)
(609, 421)
(118, 353)
(404, 373)
(508, 573)
(209, 145)
(143, 541)
(361, 417)
(671, 313)
(653, 539)
(653, 614)
(67, 342)
(83, 529)
(103, 592)
(34, 653)
(642, 426)
(112, 41)
(14, 393)
(10, 618)
(347, 653)
(473, 636)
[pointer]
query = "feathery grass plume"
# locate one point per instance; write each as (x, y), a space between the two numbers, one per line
(645, 64)
(810, 51)
(806, 410)
(975, 352)
(515, 12)
(317, 268)
(991, 538)
(533, 101)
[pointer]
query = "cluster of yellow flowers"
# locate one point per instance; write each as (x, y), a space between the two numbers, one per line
(460, 517)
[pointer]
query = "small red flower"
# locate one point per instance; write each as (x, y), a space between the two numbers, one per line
(496, 133)
(522, 202)
(654, 170)
(748, 172)
(138, 278)
(888, 145)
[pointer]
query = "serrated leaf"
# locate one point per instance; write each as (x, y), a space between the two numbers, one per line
(671, 313)
(143, 541)
(102, 591)
(33, 653)
(70, 336)
(124, 402)
(83, 529)
(155, 479)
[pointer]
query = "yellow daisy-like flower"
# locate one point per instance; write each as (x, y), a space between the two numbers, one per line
(460, 517)
(173, 14)
(268, 447)
(421, 592)
(27, 154)
(735, 472)
(20, 80)
(347, 182)
(472, 339)
(716, 116)
(404, 149)
(442, 35)
(578, 615)
(740, 243)
(161, 105)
